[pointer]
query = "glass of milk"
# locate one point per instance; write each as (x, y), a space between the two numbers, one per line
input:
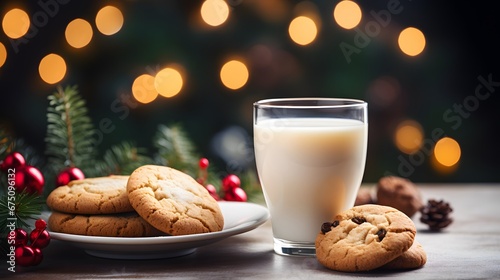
(310, 155)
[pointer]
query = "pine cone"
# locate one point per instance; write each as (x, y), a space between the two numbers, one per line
(435, 214)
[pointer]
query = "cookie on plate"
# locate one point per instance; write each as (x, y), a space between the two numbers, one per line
(414, 258)
(116, 225)
(173, 201)
(364, 237)
(101, 195)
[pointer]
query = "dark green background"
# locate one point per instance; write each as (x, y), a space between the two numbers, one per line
(462, 45)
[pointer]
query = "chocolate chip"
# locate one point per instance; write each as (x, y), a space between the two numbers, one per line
(358, 220)
(381, 234)
(326, 227)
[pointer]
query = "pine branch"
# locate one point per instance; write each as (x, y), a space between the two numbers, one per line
(123, 159)
(9, 144)
(176, 149)
(70, 132)
(27, 207)
(19, 209)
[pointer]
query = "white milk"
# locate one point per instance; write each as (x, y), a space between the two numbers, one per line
(310, 169)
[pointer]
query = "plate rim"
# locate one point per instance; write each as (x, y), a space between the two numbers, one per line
(165, 240)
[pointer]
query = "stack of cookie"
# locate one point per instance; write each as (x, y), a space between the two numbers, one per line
(369, 237)
(152, 201)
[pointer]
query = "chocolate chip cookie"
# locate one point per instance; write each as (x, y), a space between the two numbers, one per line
(414, 258)
(173, 201)
(364, 237)
(399, 193)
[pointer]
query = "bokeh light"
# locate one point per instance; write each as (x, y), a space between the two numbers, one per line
(303, 30)
(347, 14)
(234, 74)
(214, 12)
(3, 54)
(447, 151)
(143, 89)
(109, 20)
(411, 41)
(15, 23)
(78, 33)
(168, 82)
(409, 136)
(52, 68)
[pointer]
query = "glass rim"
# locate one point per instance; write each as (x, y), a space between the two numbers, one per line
(349, 103)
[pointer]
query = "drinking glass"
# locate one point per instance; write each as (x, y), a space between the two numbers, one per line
(310, 155)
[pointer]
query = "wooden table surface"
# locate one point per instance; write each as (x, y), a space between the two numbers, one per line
(468, 249)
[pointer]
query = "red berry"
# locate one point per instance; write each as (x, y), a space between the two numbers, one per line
(24, 255)
(20, 237)
(229, 196)
(236, 194)
(39, 239)
(212, 191)
(69, 174)
(37, 259)
(230, 182)
(12, 160)
(204, 163)
(40, 224)
(29, 178)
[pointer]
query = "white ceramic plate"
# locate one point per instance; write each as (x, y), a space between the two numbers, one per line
(239, 217)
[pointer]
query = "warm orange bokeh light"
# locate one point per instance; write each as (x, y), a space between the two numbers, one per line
(143, 89)
(78, 33)
(52, 68)
(168, 82)
(447, 152)
(303, 30)
(234, 74)
(109, 20)
(3, 54)
(347, 14)
(16, 23)
(409, 136)
(411, 41)
(214, 12)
